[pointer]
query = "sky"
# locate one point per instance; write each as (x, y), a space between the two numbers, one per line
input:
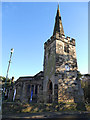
(27, 25)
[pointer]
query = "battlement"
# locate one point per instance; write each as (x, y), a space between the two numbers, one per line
(67, 39)
(70, 40)
(48, 41)
(62, 37)
(52, 38)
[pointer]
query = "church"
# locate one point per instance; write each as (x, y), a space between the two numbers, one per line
(58, 82)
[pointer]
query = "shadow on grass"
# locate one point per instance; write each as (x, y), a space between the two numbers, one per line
(19, 108)
(81, 106)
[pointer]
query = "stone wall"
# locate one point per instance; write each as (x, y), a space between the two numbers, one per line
(60, 67)
(49, 70)
(69, 89)
(24, 86)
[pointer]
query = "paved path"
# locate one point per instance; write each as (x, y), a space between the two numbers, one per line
(49, 116)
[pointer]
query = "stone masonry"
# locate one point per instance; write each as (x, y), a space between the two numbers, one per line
(60, 67)
(24, 86)
(59, 81)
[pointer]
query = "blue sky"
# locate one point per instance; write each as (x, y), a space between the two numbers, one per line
(26, 26)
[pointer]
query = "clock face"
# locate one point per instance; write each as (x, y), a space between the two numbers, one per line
(67, 67)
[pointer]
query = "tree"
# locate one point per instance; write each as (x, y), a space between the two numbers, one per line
(6, 85)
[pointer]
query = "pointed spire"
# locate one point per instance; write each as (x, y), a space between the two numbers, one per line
(58, 11)
(58, 28)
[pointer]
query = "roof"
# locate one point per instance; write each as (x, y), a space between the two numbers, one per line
(40, 74)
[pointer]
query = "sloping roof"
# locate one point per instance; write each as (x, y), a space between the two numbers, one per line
(40, 74)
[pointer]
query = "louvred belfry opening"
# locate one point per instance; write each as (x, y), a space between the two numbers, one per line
(58, 28)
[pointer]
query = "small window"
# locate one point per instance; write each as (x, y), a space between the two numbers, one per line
(49, 52)
(66, 48)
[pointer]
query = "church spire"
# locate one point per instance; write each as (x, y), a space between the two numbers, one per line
(58, 28)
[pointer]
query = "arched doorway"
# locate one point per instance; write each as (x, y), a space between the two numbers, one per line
(50, 90)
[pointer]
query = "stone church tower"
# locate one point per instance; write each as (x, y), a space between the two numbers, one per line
(60, 82)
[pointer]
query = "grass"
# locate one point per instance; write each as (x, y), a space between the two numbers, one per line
(10, 108)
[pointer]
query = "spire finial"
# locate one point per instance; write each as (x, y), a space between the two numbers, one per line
(58, 5)
(58, 23)
(58, 11)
